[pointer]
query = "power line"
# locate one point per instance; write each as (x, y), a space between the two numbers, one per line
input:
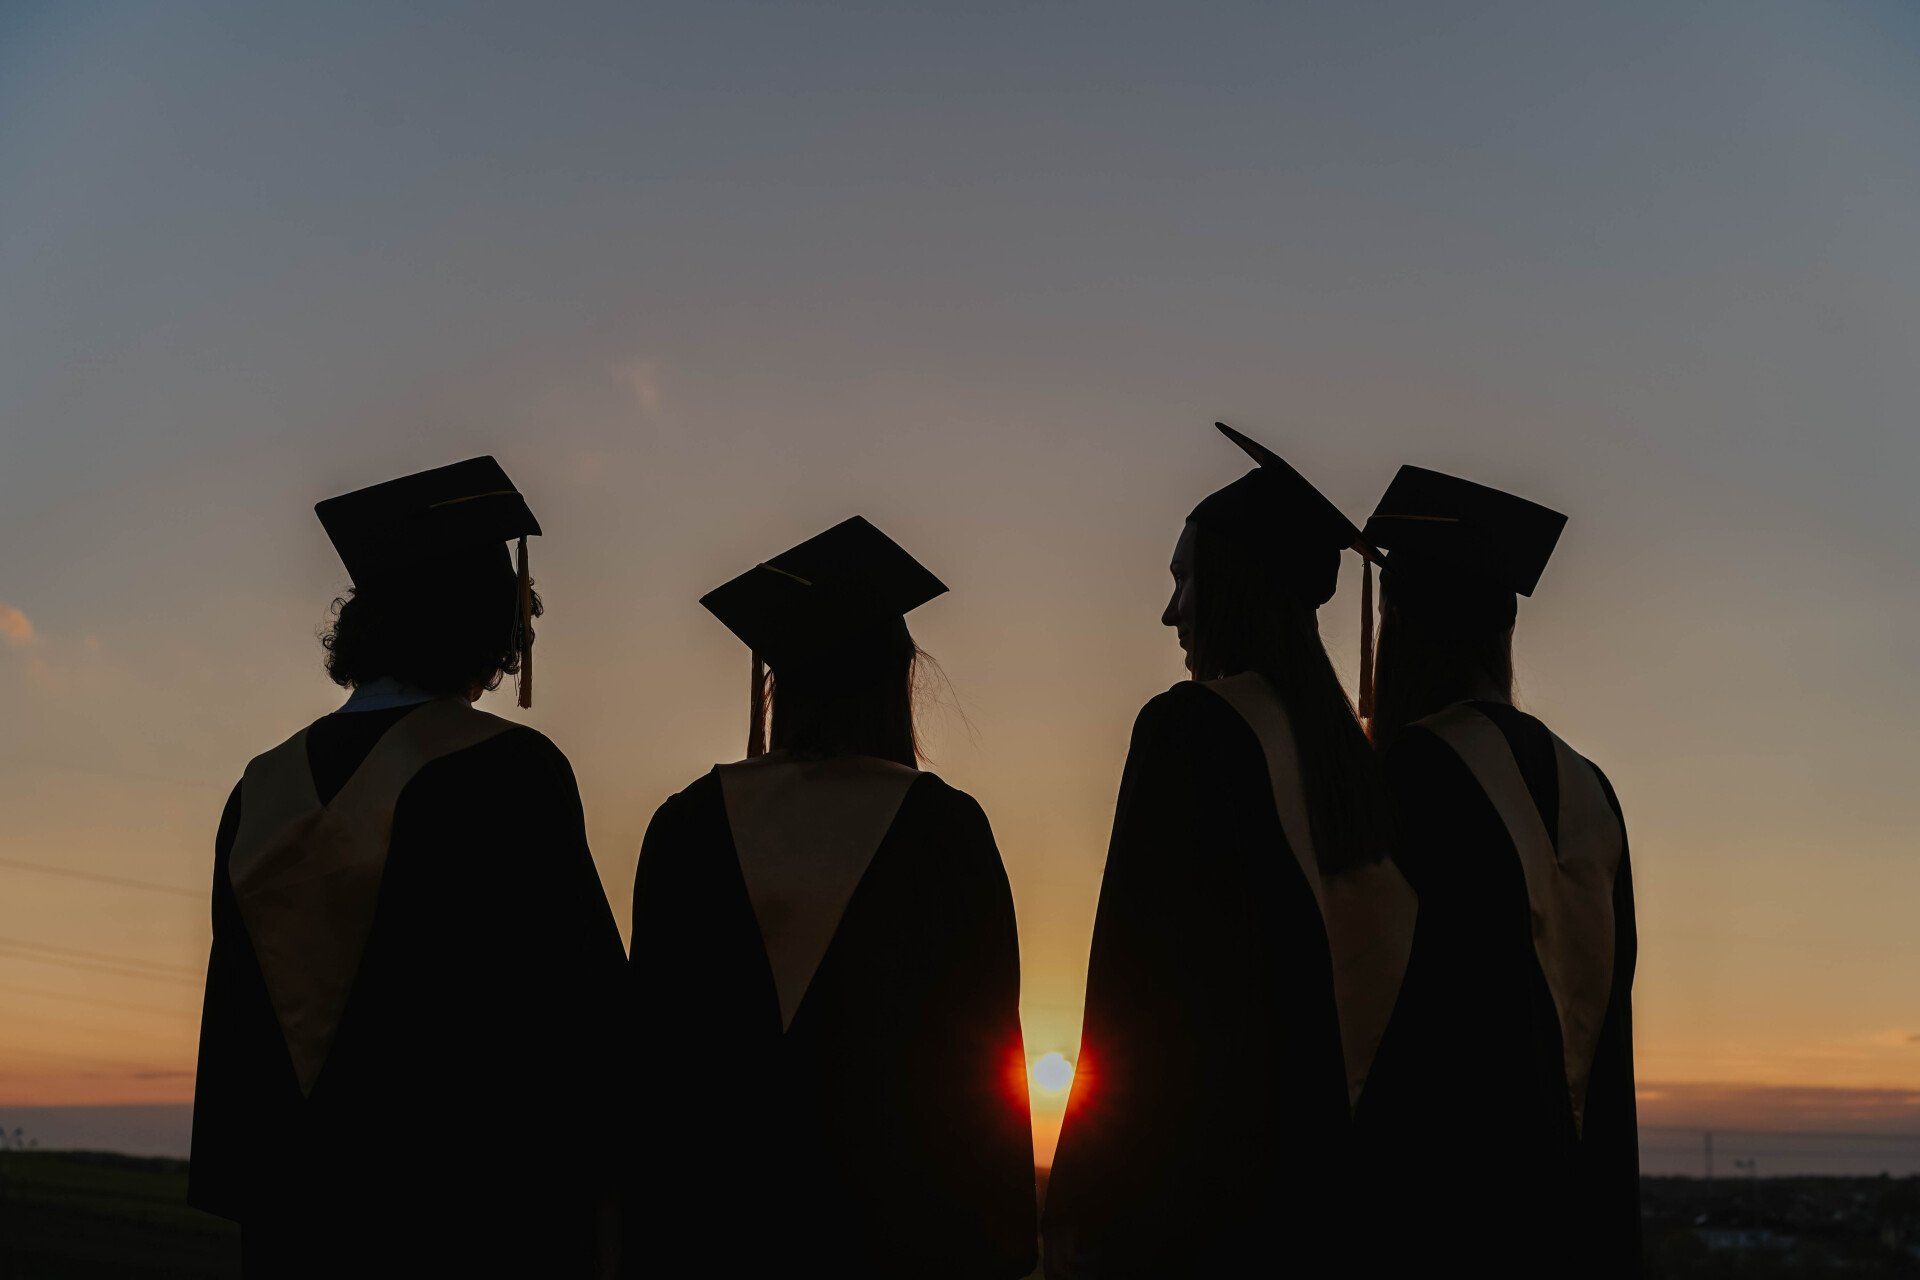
(97, 962)
(54, 766)
(15, 1018)
(53, 1055)
(98, 877)
(85, 966)
(134, 961)
(62, 997)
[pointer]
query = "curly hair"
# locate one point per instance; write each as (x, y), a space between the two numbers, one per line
(449, 633)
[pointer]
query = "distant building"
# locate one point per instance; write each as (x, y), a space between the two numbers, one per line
(1741, 1238)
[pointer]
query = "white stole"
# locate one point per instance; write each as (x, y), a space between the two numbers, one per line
(306, 876)
(1368, 912)
(805, 832)
(1569, 887)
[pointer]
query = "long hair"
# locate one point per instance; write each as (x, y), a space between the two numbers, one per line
(1443, 639)
(856, 699)
(1245, 622)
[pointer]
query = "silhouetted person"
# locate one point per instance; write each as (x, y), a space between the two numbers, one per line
(1530, 1156)
(1252, 935)
(405, 1052)
(825, 961)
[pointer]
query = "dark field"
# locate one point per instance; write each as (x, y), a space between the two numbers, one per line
(82, 1215)
(77, 1216)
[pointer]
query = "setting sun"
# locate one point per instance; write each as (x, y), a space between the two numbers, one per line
(1051, 1073)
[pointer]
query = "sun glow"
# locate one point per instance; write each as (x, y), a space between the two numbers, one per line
(1051, 1074)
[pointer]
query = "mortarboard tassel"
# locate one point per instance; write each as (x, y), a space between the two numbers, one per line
(1366, 637)
(526, 628)
(757, 730)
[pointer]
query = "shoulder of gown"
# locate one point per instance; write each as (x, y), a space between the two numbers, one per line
(1182, 735)
(946, 808)
(1184, 708)
(521, 751)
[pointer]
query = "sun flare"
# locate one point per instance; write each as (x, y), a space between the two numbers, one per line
(1051, 1074)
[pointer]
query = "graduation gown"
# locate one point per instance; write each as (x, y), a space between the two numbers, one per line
(1529, 1141)
(1212, 1126)
(865, 1116)
(409, 1030)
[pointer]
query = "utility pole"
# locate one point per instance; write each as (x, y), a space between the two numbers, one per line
(1753, 1188)
(8, 1270)
(1709, 1137)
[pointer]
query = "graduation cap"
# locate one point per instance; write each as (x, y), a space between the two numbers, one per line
(1429, 521)
(829, 590)
(1275, 512)
(402, 529)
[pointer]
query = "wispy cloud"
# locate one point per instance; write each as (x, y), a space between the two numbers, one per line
(15, 627)
(48, 661)
(1732, 1105)
(641, 378)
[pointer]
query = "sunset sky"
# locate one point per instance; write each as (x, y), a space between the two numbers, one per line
(709, 277)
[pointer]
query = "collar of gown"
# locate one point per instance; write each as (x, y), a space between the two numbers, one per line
(384, 694)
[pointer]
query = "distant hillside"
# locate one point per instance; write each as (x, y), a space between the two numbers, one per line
(95, 1216)
(77, 1215)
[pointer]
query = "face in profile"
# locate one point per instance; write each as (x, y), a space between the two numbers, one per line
(1180, 610)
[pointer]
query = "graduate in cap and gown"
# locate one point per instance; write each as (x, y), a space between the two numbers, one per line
(1252, 936)
(826, 967)
(408, 1042)
(1515, 842)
